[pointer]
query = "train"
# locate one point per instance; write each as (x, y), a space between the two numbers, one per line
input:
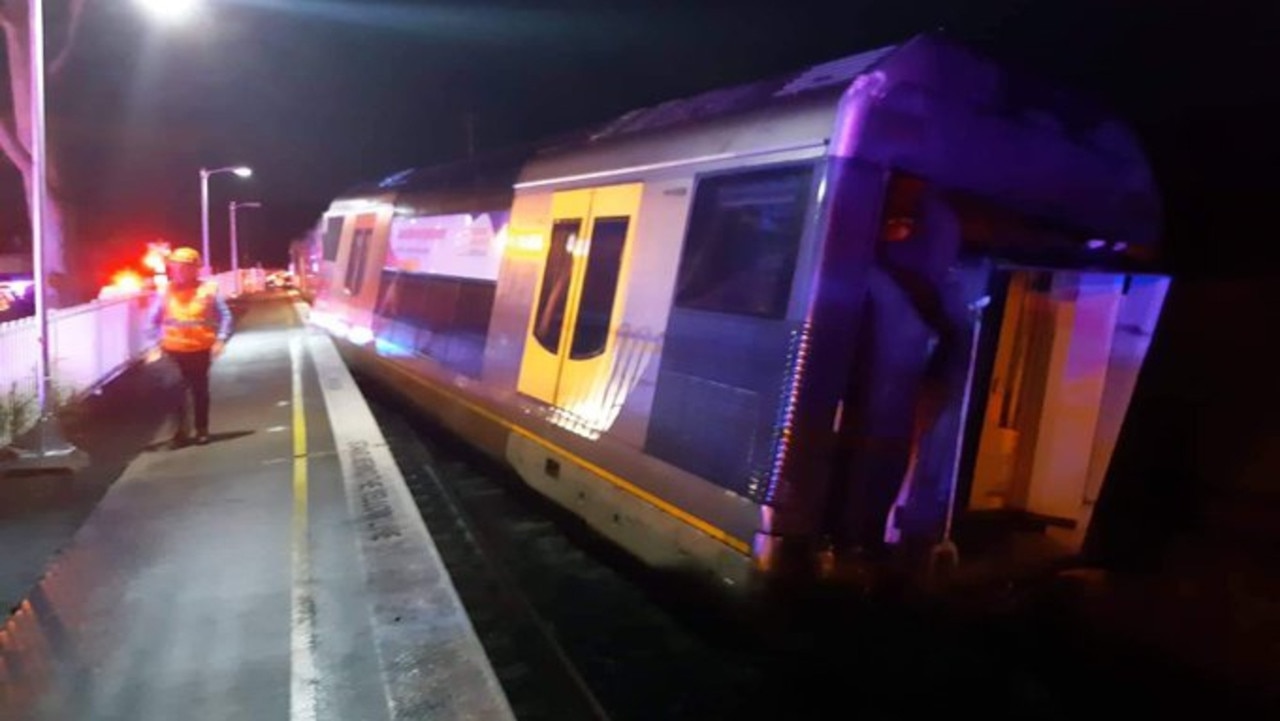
(886, 312)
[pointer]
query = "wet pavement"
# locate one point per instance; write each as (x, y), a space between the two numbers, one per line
(270, 573)
(41, 511)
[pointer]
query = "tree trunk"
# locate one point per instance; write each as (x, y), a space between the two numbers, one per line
(15, 140)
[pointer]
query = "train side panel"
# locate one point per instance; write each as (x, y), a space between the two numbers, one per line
(517, 284)
(647, 305)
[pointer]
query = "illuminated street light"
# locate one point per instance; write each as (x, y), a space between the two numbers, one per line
(235, 247)
(44, 445)
(240, 171)
(170, 10)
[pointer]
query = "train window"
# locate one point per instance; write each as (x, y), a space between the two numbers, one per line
(599, 287)
(554, 297)
(744, 233)
(442, 317)
(356, 262)
(332, 234)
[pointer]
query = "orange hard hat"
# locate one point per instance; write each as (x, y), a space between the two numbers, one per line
(185, 255)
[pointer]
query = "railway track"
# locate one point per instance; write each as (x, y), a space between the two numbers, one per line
(571, 633)
(577, 630)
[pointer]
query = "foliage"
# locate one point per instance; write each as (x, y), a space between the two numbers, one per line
(17, 412)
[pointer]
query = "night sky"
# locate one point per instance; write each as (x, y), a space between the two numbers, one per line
(317, 95)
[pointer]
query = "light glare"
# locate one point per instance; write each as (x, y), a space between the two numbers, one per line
(170, 10)
(243, 172)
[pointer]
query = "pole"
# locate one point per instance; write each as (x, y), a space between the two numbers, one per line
(946, 550)
(51, 449)
(39, 193)
(232, 208)
(235, 248)
(204, 219)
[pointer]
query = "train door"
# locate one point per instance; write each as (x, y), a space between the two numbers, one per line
(571, 338)
(329, 245)
(1043, 448)
(985, 392)
(357, 259)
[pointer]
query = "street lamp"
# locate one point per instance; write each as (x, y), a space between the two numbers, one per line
(170, 10)
(235, 247)
(240, 171)
(44, 445)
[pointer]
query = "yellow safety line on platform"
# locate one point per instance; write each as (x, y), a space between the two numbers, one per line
(302, 696)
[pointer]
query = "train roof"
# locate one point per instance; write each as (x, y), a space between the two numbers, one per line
(1018, 92)
(483, 171)
(505, 164)
(931, 106)
(827, 79)
(941, 111)
(485, 181)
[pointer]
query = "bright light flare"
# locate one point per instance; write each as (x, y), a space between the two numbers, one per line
(127, 281)
(154, 261)
(123, 283)
(243, 172)
(359, 335)
(172, 11)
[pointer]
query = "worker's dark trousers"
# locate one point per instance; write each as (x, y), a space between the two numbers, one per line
(194, 370)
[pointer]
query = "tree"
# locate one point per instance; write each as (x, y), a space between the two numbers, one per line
(15, 124)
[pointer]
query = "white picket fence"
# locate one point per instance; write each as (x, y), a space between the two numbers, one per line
(89, 345)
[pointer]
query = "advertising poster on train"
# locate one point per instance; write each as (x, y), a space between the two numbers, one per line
(459, 246)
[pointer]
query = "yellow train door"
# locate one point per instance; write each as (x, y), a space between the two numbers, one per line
(572, 331)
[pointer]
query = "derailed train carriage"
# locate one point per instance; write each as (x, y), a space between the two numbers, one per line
(890, 308)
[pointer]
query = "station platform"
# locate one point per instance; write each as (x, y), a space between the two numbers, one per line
(279, 572)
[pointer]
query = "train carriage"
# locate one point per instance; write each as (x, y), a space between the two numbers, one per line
(890, 308)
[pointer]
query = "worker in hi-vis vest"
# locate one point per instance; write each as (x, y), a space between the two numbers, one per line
(193, 323)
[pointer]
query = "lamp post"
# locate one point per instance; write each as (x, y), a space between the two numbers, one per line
(235, 247)
(240, 171)
(44, 445)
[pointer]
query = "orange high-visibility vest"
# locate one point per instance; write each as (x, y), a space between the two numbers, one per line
(189, 325)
